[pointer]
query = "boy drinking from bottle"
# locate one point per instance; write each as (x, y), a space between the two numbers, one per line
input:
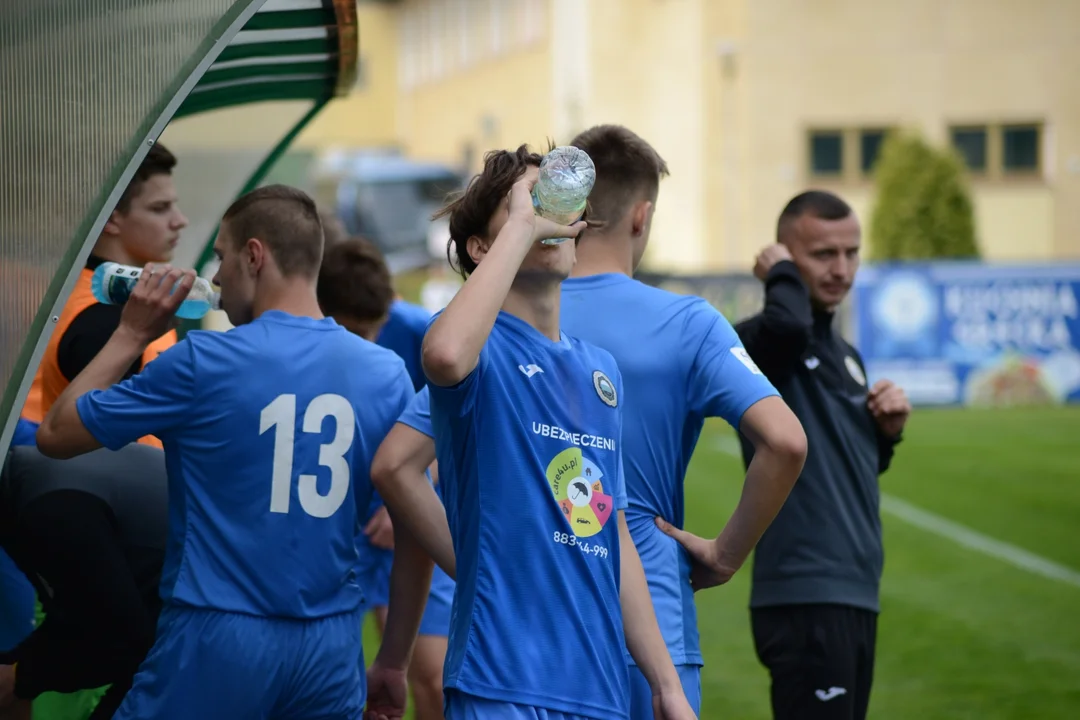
(527, 424)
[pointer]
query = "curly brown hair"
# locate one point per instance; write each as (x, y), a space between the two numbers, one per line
(471, 211)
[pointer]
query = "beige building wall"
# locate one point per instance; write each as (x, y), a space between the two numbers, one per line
(472, 76)
(368, 116)
(729, 92)
(855, 64)
(661, 101)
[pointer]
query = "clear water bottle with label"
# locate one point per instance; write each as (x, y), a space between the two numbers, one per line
(567, 176)
(112, 285)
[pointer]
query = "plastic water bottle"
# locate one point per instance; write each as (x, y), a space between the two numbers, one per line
(567, 176)
(112, 285)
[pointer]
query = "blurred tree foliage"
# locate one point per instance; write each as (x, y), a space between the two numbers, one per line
(924, 208)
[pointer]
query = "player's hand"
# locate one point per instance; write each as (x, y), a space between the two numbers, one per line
(149, 311)
(890, 407)
(672, 706)
(7, 685)
(387, 693)
(521, 211)
(380, 529)
(707, 567)
(769, 257)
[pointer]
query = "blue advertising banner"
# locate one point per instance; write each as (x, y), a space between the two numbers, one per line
(970, 333)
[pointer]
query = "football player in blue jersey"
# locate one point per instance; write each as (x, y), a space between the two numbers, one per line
(528, 433)
(268, 442)
(404, 333)
(355, 289)
(402, 465)
(681, 362)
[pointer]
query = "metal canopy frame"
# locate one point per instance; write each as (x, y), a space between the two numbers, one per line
(288, 50)
(259, 50)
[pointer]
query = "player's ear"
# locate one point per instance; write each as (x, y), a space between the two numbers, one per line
(254, 256)
(477, 248)
(641, 217)
(112, 225)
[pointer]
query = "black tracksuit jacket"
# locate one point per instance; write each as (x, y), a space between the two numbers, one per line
(825, 544)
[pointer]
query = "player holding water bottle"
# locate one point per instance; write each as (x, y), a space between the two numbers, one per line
(520, 412)
(268, 447)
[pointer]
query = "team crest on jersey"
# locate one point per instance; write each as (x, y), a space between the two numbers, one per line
(855, 370)
(605, 388)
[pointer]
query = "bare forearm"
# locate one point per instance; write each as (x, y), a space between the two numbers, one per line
(415, 508)
(62, 434)
(410, 583)
(398, 475)
(768, 483)
(643, 638)
(453, 342)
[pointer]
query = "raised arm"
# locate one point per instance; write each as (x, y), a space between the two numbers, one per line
(146, 316)
(777, 338)
(453, 343)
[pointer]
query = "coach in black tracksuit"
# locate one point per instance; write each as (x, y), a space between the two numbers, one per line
(814, 599)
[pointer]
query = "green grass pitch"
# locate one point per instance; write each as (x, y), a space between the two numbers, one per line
(962, 634)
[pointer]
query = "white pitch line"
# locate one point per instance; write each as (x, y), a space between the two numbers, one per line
(1003, 551)
(959, 534)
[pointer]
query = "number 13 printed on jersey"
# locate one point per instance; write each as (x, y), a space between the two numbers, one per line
(281, 415)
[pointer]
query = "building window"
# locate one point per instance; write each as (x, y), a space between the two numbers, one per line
(826, 152)
(1020, 148)
(970, 142)
(870, 142)
(1000, 150)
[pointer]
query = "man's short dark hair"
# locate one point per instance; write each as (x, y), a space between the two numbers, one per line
(354, 281)
(628, 169)
(286, 220)
(471, 211)
(815, 203)
(159, 161)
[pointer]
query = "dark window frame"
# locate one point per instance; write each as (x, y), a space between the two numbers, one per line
(862, 132)
(986, 138)
(814, 133)
(1037, 168)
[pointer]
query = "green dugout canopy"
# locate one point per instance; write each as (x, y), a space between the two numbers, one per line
(90, 85)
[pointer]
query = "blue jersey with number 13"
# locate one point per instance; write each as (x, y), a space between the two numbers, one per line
(269, 432)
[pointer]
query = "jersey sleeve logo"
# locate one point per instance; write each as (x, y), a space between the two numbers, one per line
(605, 389)
(744, 357)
